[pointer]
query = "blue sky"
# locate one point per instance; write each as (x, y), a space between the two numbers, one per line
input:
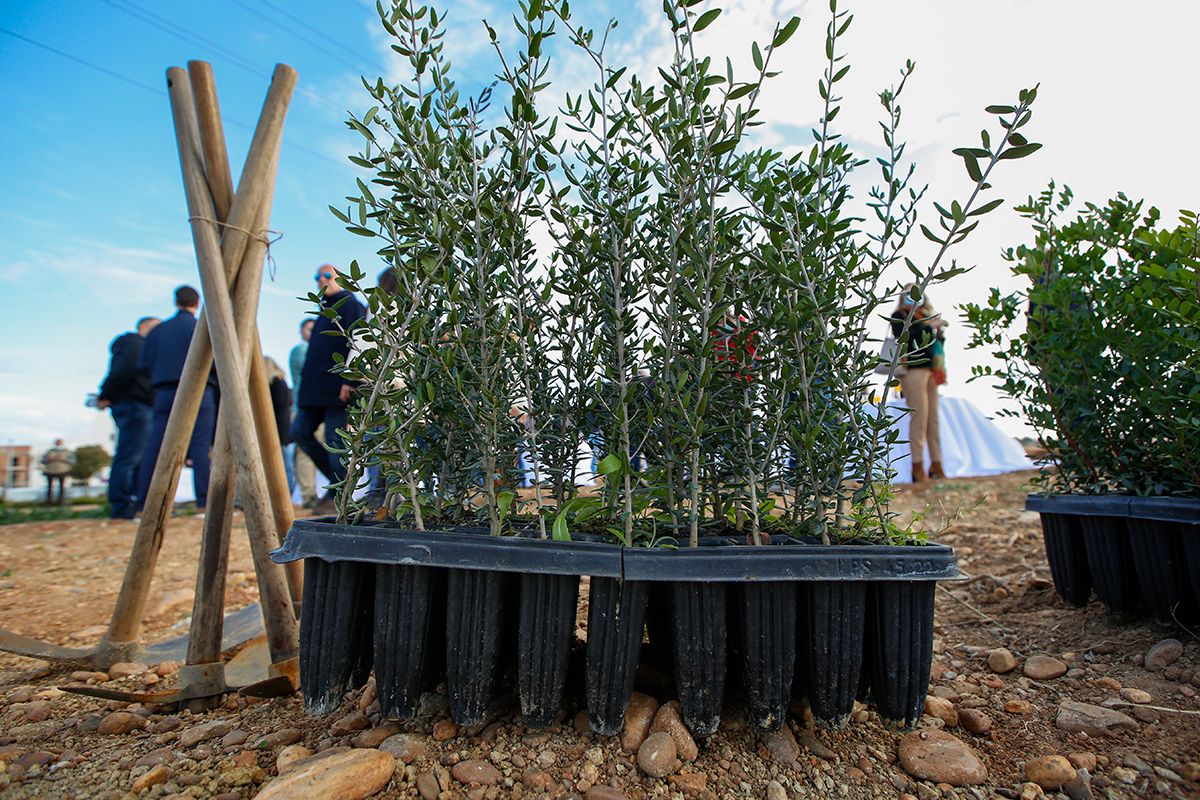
(93, 226)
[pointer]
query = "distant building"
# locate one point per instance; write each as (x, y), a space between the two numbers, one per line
(16, 465)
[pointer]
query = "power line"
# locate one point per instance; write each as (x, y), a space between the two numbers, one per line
(160, 92)
(167, 26)
(78, 60)
(353, 65)
(353, 52)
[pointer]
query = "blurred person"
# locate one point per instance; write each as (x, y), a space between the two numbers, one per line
(323, 394)
(281, 405)
(922, 351)
(161, 360)
(128, 395)
(302, 470)
(56, 466)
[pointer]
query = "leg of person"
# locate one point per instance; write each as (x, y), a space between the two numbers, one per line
(62, 489)
(306, 476)
(289, 467)
(133, 425)
(160, 413)
(913, 382)
(335, 421)
(304, 426)
(49, 490)
(933, 437)
(200, 447)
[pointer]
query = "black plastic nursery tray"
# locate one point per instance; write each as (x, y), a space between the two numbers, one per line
(797, 619)
(1137, 552)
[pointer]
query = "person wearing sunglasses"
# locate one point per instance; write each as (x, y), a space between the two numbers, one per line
(323, 394)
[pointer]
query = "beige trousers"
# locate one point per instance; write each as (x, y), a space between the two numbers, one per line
(921, 395)
(306, 470)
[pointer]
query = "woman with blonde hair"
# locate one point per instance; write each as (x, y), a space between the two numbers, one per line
(922, 353)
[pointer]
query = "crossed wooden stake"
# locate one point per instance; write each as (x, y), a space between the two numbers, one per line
(229, 233)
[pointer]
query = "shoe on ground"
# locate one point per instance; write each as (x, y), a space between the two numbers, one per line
(325, 508)
(936, 472)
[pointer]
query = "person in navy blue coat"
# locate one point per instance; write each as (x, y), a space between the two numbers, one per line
(324, 394)
(128, 395)
(162, 361)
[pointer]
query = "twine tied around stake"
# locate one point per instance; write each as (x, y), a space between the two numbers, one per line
(258, 236)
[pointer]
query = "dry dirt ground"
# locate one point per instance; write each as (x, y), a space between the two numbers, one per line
(58, 581)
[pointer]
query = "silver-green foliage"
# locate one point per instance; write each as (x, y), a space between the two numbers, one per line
(705, 305)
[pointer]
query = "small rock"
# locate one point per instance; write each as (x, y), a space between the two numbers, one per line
(163, 755)
(669, 721)
(1136, 695)
(155, 776)
(638, 719)
(942, 709)
(1190, 770)
(166, 668)
(809, 740)
(1163, 654)
(124, 669)
(1125, 775)
(690, 783)
(1133, 762)
(1031, 791)
(1018, 707)
(775, 791)
(285, 762)
(1080, 788)
(1049, 772)
(234, 739)
(373, 737)
(246, 758)
(280, 738)
(167, 724)
(782, 746)
(1001, 660)
(1105, 682)
(1044, 668)
(476, 772)
(937, 756)
(444, 730)
(202, 733)
(604, 793)
(368, 697)
(119, 722)
(38, 711)
(354, 721)
(349, 775)
(656, 756)
(84, 676)
(1144, 714)
(1083, 760)
(36, 758)
(537, 779)
(404, 747)
(975, 721)
(1078, 717)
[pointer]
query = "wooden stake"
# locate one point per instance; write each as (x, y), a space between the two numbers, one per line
(124, 633)
(282, 630)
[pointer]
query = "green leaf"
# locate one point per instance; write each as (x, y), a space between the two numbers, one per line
(986, 207)
(504, 501)
(706, 19)
(972, 165)
(559, 530)
(785, 32)
(609, 465)
(1020, 152)
(999, 109)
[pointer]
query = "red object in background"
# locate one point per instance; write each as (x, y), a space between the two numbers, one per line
(734, 342)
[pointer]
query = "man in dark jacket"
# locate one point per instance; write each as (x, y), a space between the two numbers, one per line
(162, 361)
(323, 394)
(128, 395)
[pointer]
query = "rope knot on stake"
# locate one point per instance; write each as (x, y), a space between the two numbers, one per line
(266, 237)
